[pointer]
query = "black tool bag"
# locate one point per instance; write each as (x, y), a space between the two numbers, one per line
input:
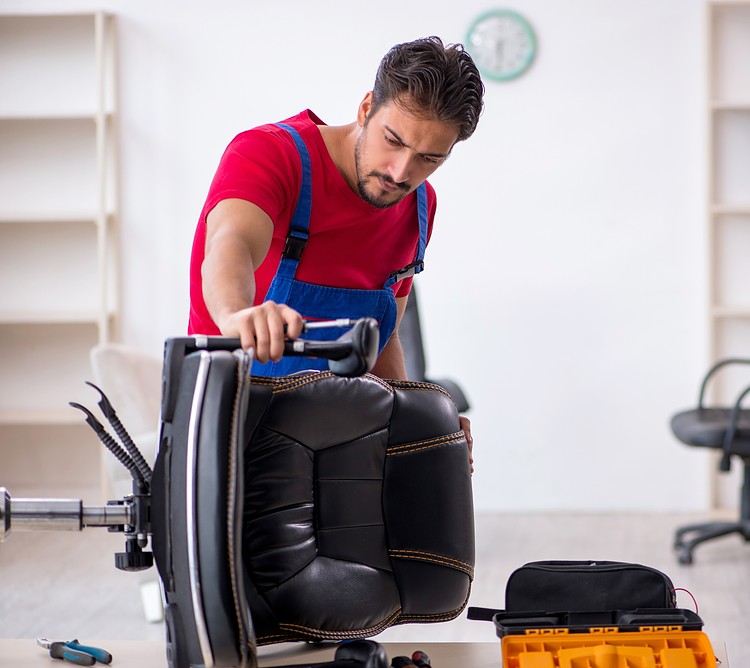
(587, 585)
(305, 507)
(583, 586)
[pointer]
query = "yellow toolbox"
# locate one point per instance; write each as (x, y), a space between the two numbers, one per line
(669, 638)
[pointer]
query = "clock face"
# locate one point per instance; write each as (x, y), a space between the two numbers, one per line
(502, 44)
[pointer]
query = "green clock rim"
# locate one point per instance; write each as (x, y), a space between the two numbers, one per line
(527, 28)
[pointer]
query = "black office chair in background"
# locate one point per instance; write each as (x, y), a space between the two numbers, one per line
(727, 429)
(410, 334)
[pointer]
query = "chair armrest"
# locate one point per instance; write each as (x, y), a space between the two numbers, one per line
(713, 370)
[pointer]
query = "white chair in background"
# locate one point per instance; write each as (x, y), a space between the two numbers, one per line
(131, 379)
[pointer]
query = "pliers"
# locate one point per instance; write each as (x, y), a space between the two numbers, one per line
(74, 652)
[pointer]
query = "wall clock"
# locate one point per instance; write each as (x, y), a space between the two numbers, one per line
(502, 43)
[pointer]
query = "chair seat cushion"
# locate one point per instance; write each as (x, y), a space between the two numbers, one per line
(707, 427)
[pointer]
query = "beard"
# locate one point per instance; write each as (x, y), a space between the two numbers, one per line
(384, 199)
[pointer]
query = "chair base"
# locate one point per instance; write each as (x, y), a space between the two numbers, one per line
(685, 543)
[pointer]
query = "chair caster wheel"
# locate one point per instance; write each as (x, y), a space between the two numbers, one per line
(684, 555)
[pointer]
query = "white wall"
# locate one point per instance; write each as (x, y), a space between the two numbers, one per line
(564, 286)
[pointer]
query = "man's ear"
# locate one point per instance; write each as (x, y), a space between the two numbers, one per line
(365, 107)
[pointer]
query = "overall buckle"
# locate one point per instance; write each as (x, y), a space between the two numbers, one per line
(407, 271)
(294, 245)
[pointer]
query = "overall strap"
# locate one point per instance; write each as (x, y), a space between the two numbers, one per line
(299, 226)
(418, 264)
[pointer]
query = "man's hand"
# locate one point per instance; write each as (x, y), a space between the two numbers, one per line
(262, 328)
(465, 424)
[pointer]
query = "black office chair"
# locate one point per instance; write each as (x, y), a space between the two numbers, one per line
(314, 506)
(725, 428)
(317, 506)
(410, 334)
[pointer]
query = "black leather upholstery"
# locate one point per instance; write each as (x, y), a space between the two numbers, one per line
(304, 507)
(357, 502)
(194, 516)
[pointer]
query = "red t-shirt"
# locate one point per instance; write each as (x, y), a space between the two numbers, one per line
(352, 244)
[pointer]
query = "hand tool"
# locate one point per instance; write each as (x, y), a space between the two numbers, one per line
(74, 652)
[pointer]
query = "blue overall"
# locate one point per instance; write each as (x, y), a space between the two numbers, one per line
(319, 302)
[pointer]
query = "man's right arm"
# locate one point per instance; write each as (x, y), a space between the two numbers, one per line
(238, 236)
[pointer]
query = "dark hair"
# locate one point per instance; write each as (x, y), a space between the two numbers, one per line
(430, 78)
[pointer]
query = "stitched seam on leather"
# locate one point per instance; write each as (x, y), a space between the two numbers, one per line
(354, 633)
(441, 559)
(431, 556)
(262, 380)
(231, 500)
(418, 385)
(384, 384)
(406, 448)
(292, 384)
(288, 384)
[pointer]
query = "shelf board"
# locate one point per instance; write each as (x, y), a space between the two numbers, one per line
(729, 3)
(54, 16)
(731, 209)
(34, 217)
(33, 116)
(730, 311)
(48, 317)
(40, 417)
(730, 105)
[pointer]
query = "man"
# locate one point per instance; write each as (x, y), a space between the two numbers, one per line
(309, 221)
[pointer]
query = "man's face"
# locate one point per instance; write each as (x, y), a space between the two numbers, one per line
(397, 150)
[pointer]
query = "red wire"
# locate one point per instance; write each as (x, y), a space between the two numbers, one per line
(687, 591)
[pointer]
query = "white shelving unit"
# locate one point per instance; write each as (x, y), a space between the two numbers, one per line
(728, 23)
(58, 214)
